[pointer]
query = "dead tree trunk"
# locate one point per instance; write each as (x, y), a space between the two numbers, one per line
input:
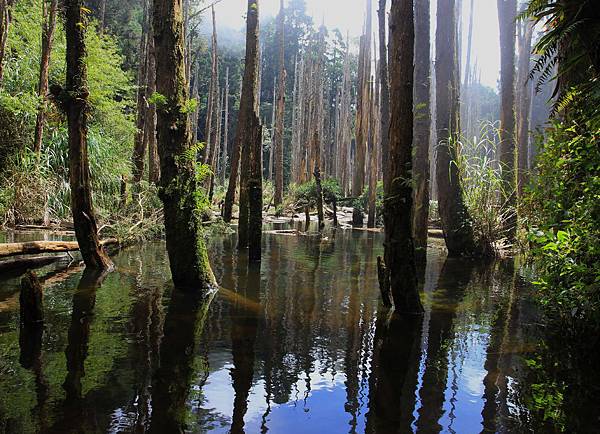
(77, 107)
(5, 18)
(507, 12)
(422, 126)
(280, 113)
(102, 19)
(48, 26)
(188, 256)
(399, 196)
(248, 124)
(31, 300)
(213, 96)
(456, 222)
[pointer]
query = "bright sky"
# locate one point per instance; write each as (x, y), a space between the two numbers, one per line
(349, 15)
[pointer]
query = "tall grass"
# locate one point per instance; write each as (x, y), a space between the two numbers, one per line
(484, 189)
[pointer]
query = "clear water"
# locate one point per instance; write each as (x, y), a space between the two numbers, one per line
(299, 344)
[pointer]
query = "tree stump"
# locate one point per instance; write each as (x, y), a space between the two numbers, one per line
(31, 300)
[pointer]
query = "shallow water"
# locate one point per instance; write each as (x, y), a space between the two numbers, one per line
(299, 344)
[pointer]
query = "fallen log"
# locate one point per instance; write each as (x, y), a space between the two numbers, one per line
(29, 262)
(38, 247)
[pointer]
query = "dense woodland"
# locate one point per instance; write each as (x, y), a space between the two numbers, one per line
(133, 120)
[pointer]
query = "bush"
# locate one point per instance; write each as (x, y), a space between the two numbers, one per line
(564, 214)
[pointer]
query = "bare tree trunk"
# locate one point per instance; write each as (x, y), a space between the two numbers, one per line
(385, 90)
(524, 106)
(278, 139)
(150, 134)
(48, 26)
(422, 126)
(456, 222)
(399, 195)
(102, 18)
(246, 138)
(358, 181)
(213, 96)
(373, 154)
(507, 12)
(139, 149)
(188, 257)
(226, 130)
(77, 107)
(5, 18)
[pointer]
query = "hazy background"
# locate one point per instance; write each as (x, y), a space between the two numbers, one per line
(349, 16)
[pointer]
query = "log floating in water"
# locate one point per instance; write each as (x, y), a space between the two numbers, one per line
(37, 247)
(29, 262)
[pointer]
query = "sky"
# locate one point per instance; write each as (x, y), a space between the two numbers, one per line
(349, 15)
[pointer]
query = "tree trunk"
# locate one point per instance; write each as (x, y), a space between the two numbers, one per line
(280, 112)
(399, 196)
(456, 222)
(422, 125)
(248, 123)
(5, 17)
(102, 19)
(385, 91)
(524, 106)
(150, 134)
(48, 26)
(358, 181)
(188, 256)
(139, 148)
(507, 12)
(77, 107)
(226, 129)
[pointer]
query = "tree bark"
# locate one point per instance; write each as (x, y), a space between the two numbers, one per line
(226, 130)
(507, 12)
(77, 107)
(248, 123)
(5, 18)
(422, 125)
(280, 114)
(456, 222)
(48, 26)
(179, 188)
(102, 19)
(399, 196)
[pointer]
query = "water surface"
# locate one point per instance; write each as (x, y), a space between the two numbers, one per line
(299, 344)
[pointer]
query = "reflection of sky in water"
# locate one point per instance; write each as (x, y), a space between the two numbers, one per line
(316, 411)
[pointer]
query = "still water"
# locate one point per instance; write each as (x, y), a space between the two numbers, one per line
(299, 344)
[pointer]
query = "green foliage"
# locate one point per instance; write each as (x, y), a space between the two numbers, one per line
(111, 126)
(564, 213)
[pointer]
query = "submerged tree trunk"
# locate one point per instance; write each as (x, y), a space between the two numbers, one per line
(399, 196)
(5, 17)
(248, 126)
(48, 26)
(456, 222)
(77, 107)
(422, 125)
(188, 256)
(507, 13)
(280, 113)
